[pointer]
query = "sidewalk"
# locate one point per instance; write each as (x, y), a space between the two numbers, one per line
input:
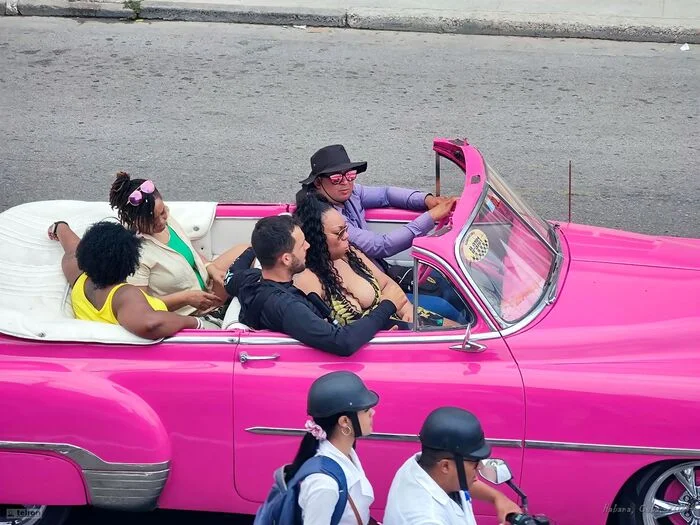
(633, 20)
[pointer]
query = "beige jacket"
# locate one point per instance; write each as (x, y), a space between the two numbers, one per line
(165, 271)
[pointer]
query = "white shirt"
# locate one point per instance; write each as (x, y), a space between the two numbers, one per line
(415, 499)
(318, 493)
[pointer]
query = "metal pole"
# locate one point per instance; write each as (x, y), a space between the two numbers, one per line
(437, 174)
(569, 190)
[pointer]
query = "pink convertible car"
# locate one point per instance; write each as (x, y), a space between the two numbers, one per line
(581, 358)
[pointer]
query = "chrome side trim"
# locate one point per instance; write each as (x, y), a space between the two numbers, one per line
(377, 436)
(205, 339)
(118, 486)
(612, 449)
(86, 459)
(462, 286)
(510, 443)
(382, 339)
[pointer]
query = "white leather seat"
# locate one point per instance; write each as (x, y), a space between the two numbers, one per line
(231, 318)
(234, 310)
(34, 294)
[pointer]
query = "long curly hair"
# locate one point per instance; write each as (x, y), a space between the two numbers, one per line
(309, 213)
(136, 218)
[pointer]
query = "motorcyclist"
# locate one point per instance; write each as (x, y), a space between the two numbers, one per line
(436, 486)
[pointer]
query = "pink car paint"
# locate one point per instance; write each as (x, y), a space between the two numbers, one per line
(601, 379)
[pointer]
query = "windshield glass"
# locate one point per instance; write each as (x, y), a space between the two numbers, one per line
(527, 213)
(505, 259)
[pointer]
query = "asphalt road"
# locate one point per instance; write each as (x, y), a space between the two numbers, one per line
(233, 112)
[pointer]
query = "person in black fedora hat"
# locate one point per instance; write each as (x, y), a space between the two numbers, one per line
(333, 177)
(332, 160)
(438, 484)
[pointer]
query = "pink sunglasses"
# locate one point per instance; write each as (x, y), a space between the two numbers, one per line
(137, 196)
(337, 178)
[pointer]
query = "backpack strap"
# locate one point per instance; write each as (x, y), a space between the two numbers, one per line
(329, 467)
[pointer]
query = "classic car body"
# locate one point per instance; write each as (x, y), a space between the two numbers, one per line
(581, 363)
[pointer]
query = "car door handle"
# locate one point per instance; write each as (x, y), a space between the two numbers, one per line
(244, 357)
(469, 346)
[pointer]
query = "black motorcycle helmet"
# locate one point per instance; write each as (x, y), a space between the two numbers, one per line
(457, 431)
(340, 393)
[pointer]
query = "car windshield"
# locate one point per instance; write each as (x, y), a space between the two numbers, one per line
(506, 252)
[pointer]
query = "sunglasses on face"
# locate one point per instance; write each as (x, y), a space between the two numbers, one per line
(337, 178)
(137, 196)
(341, 233)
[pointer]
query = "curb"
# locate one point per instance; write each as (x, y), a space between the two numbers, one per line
(427, 21)
(384, 19)
(243, 15)
(73, 9)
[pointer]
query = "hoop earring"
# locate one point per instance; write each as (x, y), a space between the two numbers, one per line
(343, 429)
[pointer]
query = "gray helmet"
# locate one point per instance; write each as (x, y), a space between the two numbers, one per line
(455, 430)
(339, 392)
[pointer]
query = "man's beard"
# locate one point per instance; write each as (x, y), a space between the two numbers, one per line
(298, 265)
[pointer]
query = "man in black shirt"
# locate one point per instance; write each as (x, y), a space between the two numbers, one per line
(269, 300)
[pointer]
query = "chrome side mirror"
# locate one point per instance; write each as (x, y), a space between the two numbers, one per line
(467, 345)
(495, 471)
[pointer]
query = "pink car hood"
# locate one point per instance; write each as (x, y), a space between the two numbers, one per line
(620, 341)
(587, 243)
(622, 287)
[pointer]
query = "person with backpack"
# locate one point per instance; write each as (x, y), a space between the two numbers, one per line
(326, 484)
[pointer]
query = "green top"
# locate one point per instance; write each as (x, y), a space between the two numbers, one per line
(180, 247)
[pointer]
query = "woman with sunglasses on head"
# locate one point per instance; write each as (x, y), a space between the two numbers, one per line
(170, 267)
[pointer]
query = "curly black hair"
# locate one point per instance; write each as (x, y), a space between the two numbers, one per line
(108, 253)
(137, 218)
(309, 213)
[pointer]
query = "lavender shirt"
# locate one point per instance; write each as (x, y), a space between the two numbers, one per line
(380, 245)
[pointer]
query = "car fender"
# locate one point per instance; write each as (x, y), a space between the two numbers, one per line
(109, 432)
(29, 478)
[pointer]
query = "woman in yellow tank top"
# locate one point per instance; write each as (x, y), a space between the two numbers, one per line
(97, 266)
(84, 309)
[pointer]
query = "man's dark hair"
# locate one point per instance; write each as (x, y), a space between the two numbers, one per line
(429, 457)
(108, 253)
(272, 236)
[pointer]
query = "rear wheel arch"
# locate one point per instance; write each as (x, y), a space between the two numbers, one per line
(629, 505)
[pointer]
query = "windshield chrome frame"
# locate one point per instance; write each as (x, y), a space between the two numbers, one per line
(552, 278)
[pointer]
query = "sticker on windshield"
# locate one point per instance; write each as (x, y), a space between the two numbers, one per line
(475, 246)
